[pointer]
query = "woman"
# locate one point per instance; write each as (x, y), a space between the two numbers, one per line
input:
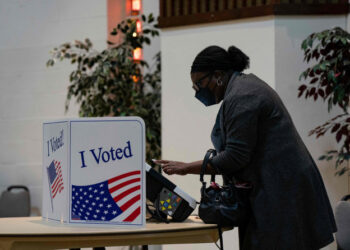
(258, 143)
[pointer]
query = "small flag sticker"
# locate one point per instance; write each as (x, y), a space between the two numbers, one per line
(55, 178)
(54, 174)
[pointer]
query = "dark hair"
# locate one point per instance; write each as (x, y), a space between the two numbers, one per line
(216, 58)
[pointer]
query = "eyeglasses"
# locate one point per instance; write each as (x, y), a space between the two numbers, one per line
(198, 83)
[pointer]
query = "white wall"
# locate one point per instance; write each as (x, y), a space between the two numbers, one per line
(186, 123)
(29, 92)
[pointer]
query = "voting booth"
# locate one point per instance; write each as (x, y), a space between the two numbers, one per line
(93, 171)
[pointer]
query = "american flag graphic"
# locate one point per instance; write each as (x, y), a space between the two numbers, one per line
(118, 197)
(54, 172)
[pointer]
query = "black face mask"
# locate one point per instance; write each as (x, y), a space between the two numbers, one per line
(205, 96)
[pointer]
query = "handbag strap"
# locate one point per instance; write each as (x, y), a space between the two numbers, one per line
(210, 152)
(221, 238)
(346, 197)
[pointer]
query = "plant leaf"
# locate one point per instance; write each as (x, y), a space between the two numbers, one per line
(335, 127)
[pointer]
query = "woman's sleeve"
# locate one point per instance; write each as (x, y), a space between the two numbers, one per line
(240, 125)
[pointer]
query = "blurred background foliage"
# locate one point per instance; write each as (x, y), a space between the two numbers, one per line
(111, 83)
(329, 78)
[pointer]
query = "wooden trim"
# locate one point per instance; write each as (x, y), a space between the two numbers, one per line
(311, 9)
(161, 7)
(211, 17)
(272, 7)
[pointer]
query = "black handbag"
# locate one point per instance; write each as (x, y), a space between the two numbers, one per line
(226, 205)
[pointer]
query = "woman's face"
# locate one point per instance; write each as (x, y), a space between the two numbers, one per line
(209, 80)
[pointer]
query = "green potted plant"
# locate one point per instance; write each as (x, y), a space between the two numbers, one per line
(329, 78)
(111, 83)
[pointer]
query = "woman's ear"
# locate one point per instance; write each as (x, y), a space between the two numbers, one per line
(218, 74)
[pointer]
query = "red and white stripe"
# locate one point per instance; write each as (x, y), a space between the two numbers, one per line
(57, 185)
(125, 189)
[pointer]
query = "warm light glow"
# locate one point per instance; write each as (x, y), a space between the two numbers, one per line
(137, 54)
(136, 5)
(138, 26)
(134, 34)
(135, 79)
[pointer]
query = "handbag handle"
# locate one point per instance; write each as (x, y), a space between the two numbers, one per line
(210, 152)
(346, 197)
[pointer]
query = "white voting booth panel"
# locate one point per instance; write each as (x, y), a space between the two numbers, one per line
(93, 171)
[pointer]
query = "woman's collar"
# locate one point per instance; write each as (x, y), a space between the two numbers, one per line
(230, 83)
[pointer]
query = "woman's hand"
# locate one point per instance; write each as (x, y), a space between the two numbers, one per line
(173, 167)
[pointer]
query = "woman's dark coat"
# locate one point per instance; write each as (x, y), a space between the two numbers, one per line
(291, 209)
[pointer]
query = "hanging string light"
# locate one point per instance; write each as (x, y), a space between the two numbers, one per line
(135, 7)
(138, 26)
(135, 11)
(137, 54)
